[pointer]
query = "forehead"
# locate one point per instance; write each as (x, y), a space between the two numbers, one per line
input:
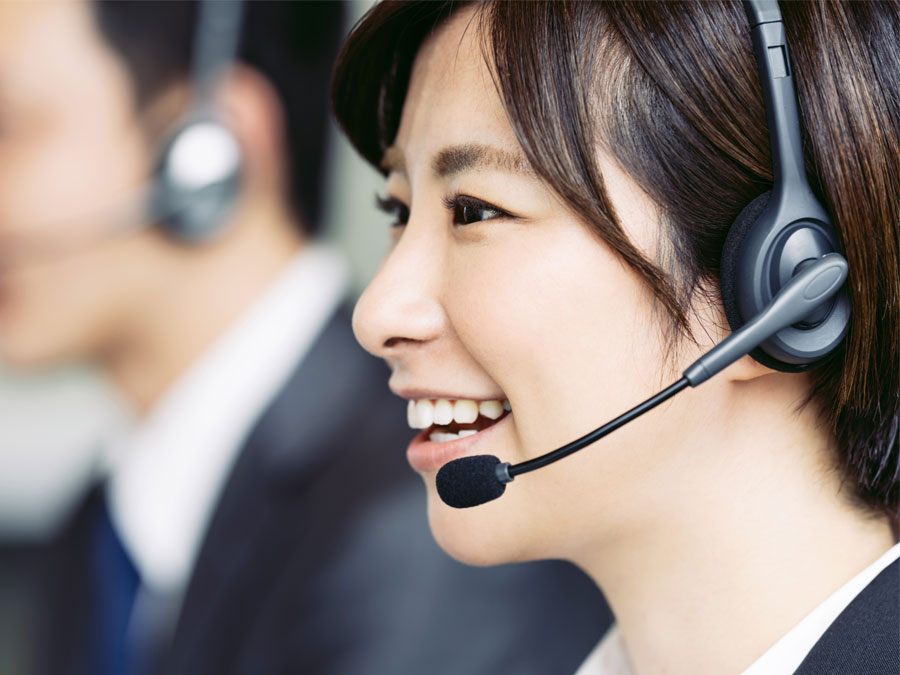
(50, 48)
(451, 98)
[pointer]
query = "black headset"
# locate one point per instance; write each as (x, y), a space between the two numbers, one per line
(781, 278)
(786, 229)
(199, 166)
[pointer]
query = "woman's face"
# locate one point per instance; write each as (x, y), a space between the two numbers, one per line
(495, 291)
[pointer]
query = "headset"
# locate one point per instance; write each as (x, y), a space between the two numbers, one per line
(199, 166)
(781, 276)
(782, 231)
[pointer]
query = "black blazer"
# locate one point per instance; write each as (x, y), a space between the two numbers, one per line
(319, 559)
(865, 638)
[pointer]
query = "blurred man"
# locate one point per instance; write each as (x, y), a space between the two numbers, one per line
(260, 517)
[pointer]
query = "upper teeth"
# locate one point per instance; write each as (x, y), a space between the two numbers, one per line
(423, 413)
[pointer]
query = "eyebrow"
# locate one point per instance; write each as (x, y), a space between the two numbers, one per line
(458, 158)
(455, 159)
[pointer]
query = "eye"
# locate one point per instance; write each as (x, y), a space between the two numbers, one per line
(393, 207)
(468, 210)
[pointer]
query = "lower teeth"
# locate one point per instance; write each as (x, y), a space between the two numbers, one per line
(443, 437)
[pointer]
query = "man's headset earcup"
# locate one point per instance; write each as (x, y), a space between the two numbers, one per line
(197, 181)
(794, 349)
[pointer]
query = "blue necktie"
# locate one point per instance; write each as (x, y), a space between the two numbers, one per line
(114, 586)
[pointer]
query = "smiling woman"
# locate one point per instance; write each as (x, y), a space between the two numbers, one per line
(564, 177)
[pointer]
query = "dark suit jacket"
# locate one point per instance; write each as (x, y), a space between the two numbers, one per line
(865, 638)
(319, 559)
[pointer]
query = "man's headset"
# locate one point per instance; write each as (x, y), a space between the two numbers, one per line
(781, 277)
(198, 171)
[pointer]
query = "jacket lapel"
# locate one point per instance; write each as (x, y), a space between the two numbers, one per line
(264, 504)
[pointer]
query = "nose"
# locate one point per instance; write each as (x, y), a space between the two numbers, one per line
(401, 308)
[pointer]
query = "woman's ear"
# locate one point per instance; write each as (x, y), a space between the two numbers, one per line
(710, 327)
(745, 369)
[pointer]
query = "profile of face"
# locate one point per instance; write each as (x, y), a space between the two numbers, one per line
(495, 291)
(71, 154)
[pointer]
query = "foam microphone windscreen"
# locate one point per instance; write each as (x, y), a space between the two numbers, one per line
(469, 481)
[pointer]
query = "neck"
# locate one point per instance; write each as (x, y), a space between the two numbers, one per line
(202, 293)
(733, 565)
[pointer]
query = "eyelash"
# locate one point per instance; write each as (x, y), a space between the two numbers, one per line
(393, 207)
(461, 206)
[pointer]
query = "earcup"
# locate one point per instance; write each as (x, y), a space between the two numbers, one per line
(730, 251)
(728, 277)
(197, 180)
(757, 260)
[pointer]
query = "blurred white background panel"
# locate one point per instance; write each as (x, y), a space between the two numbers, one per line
(51, 430)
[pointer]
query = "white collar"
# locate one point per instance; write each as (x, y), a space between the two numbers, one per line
(609, 657)
(166, 477)
(786, 655)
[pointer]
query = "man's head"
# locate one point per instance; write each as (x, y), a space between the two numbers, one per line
(87, 94)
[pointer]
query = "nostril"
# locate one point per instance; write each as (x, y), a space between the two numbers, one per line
(398, 343)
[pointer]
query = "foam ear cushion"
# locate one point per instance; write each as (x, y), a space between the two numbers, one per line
(728, 269)
(728, 279)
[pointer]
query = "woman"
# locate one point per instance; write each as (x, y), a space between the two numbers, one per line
(563, 178)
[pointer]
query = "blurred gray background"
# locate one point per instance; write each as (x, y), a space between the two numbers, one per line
(52, 424)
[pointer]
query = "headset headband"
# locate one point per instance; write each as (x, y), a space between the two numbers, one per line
(216, 41)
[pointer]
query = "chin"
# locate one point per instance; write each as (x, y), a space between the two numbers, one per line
(24, 361)
(22, 352)
(481, 536)
(21, 357)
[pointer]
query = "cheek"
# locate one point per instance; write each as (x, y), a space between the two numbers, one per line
(66, 179)
(60, 198)
(569, 333)
(74, 306)
(559, 322)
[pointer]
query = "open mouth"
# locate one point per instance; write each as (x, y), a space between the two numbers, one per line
(451, 419)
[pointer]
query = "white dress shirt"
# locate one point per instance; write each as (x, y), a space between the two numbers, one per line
(167, 476)
(609, 657)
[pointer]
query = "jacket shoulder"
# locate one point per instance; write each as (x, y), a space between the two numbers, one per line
(865, 638)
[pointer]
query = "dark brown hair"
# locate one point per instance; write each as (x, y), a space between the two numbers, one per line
(670, 90)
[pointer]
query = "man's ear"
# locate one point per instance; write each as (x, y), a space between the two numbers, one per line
(253, 111)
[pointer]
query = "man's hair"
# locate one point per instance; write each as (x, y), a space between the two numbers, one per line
(291, 44)
(671, 90)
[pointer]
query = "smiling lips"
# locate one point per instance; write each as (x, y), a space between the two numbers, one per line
(451, 420)
(451, 428)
